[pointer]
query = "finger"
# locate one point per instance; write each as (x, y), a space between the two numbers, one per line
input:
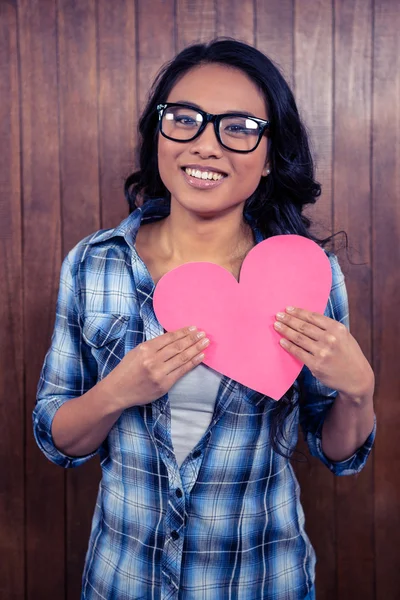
(304, 327)
(176, 374)
(186, 356)
(302, 355)
(161, 341)
(180, 345)
(301, 340)
(314, 318)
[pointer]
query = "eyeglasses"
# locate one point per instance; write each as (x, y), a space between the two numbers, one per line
(235, 131)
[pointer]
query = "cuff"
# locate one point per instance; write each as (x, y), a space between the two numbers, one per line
(43, 416)
(352, 465)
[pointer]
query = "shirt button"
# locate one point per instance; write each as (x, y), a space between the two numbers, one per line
(178, 492)
(174, 535)
(196, 454)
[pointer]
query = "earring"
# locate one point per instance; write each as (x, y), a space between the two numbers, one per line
(267, 173)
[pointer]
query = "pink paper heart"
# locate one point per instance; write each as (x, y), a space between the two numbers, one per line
(284, 270)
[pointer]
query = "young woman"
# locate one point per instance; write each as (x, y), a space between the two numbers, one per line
(198, 500)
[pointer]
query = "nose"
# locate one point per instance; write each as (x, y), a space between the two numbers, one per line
(207, 145)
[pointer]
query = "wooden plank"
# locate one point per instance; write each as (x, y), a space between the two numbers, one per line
(274, 24)
(386, 289)
(352, 198)
(313, 80)
(78, 120)
(235, 19)
(313, 86)
(41, 261)
(117, 104)
(11, 348)
(79, 158)
(196, 21)
(155, 44)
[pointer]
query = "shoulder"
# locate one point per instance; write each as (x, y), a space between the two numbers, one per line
(97, 250)
(337, 273)
(337, 307)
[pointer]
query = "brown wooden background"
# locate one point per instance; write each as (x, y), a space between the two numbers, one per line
(73, 78)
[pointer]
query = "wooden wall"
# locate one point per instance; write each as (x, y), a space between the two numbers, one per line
(73, 78)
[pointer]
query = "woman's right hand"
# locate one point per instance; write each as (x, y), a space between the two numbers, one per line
(150, 370)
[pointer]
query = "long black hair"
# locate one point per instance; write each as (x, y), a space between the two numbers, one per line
(276, 206)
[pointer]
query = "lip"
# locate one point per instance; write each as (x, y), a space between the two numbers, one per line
(205, 168)
(203, 184)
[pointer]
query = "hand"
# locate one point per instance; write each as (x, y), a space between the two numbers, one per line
(328, 349)
(148, 371)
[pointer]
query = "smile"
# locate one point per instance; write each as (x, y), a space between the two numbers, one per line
(204, 180)
(203, 174)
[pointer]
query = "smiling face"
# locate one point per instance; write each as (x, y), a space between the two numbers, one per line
(215, 89)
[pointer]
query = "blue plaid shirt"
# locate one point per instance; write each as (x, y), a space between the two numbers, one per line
(228, 523)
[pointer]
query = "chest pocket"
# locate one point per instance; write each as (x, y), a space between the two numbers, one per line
(105, 334)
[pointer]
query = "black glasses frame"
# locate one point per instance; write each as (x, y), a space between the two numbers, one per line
(216, 120)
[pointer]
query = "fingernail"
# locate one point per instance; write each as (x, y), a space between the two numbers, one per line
(280, 315)
(277, 325)
(192, 328)
(201, 334)
(290, 308)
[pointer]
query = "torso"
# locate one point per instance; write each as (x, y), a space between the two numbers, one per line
(158, 266)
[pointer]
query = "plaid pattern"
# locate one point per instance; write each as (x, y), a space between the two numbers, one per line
(228, 524)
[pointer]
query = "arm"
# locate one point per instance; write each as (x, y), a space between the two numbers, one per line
(74, 413)
(68, 373)
(347, 425)
(337, 381)
(81, 425)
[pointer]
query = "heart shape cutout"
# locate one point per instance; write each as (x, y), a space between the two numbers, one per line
(238, 318)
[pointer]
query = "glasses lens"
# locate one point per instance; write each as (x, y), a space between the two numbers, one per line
(180, 123)
(239, 133)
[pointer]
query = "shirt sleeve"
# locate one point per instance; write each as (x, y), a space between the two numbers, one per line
(317, 398)
(69, 370)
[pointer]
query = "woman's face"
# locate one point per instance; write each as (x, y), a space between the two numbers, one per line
(215, 89)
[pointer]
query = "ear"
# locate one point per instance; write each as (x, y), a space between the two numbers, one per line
(266, 171)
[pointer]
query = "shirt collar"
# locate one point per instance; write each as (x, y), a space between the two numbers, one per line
(152, 210)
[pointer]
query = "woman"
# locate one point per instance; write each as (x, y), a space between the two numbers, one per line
(198, 499)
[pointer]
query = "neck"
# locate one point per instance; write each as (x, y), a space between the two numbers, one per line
(186, 237)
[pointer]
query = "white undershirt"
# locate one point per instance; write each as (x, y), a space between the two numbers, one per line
(192, 400)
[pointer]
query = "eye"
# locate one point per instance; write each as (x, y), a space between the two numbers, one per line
(239, 127)
(185, 120)
(236, 129)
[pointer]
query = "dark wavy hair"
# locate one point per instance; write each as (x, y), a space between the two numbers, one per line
(276, 206)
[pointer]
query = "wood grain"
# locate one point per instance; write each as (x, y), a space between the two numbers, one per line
(41, 262)
(235, 19)
(79, 159)
(314, 85)
(12, 522)
(156, 43)
(74, 77)
(274, 28)
(352, 199)
(386, 293)
(117, 104)
(196, 21)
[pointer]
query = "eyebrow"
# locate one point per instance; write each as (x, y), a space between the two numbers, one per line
(245, 113)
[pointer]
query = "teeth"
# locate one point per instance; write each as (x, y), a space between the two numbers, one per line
(204, 174)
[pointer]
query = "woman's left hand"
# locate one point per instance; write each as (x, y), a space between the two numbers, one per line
(328, 349)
